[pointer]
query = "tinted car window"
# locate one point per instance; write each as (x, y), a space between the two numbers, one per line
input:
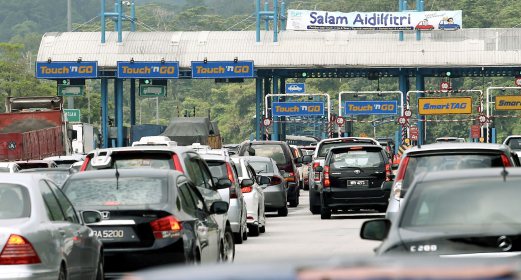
(261, 166)
(325, 147)
(14, 202)
(117, 192)
(54, 210)
(357, 158)
(218, 169)
(514, 143)
(272, 151)
(66, 206)
(140, 160)
(473, 202)
(417, 165)
(187, 202)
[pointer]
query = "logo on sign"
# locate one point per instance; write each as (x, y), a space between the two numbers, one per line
(53, 70)
(295, 88)
(156, 70)
(371, 107)
(297, 109)
(222, 69)
(508, 102)
(445, 105)
(11, 145)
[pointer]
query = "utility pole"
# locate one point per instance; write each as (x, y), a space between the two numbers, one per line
(70, 99)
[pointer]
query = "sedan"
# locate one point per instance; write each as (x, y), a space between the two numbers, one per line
(150, 217)
(41, 235)
(58, 174)
(468, 213)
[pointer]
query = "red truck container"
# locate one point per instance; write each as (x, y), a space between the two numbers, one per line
(33, 128)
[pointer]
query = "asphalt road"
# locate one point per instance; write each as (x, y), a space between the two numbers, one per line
(302, 235)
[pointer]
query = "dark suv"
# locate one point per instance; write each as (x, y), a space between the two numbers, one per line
(352, 179)
(281, 153)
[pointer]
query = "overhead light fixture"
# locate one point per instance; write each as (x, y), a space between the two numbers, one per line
(79, 59)
(235, 59)
(132, 60)
(49, 60)
(162, 60)
(205, 60)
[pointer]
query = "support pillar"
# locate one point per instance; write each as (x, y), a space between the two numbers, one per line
(119, 110)
(420, 85)
(267, 88)
(276, 129)
(258, 108)
(104, 112)
(132, 101)
(115, 101)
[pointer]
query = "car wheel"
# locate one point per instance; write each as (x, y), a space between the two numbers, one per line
(253, 230)
(293, 202)
(262, 229)
(237, 237)
(228, 247)
(315, 210)
(245, 235)
(325, 213)
(100, 274)
(63, 273)
(283, 212)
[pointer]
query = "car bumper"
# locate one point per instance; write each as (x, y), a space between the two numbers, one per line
(275, 197)
(27, 272)
(234, 215)
(344, 199)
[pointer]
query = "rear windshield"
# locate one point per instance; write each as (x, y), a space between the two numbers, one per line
(356, 158)
(28, 165)
(14, 202)
(514, 143)
(274, 152)
(218, 169)
(5, 169)
(261, 166)
(121, 192)
(140, 160)
(325, 147)
(417, 165)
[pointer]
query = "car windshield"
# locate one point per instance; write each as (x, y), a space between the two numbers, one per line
(439, 162)
(356, 158)
(261, 166)
(272, 151)
(470, 202)
(116, 192)
(218, 169)
(140, 160)
(14, 202)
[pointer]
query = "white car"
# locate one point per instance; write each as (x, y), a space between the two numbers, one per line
(294, 88)
(514, 142)
(253, 195)
(9, 167)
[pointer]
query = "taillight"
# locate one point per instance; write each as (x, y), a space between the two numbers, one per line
(401, 169)
(388, 172)
(506, 162)
(85, 163)
(316, 176)
(166, 227)
(230, 172)
(327, 183)
(275, 180)
(247, 189)
(18, 250)
(291, 177)
(177, 163)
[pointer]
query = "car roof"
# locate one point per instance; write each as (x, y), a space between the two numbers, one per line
(26, 179)
(346, 138)
(70, 157)
(213, 157)
(256, 158)
(177, 149)
(355, 146)
(56, 169)
(495, 172)
(264, 142)
(7, 164)
(455, 147)
(132, 172)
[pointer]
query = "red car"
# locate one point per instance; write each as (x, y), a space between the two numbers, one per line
(424, 25)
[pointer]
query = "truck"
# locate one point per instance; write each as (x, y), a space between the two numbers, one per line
(187, 131)
(33, 128)
(85, 138)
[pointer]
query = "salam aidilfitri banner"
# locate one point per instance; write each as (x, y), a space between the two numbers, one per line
(321, 20)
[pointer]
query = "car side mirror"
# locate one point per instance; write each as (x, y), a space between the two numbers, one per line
(263, 180)
(377, 229)
(251, 151)
(307, 159)
(223, 183)
(298, 160)
(246, 183)
(319, 169)
(387, 186)
(219, 207)
(395, 166)
(91, 217)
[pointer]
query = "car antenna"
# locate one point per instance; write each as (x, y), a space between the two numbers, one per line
(117, 175)
(504, 173)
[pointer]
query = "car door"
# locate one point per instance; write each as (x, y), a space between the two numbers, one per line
(258, 191)
(84, 245)
(63, 231)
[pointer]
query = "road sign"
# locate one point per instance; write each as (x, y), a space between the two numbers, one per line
(68, 90)
(295, 88)
(152, 91)
(475, 131)
(444, 86)
(340, 121)
(266, 122)
(444, 105)
(66, 69)
(222, 69)
(508, 102)
(297, 109)
(402, 121)
(413, 133)
(371, 107)
(482, 119)
(407, 113)
(518, 82)
(148, 69)
(73, 115)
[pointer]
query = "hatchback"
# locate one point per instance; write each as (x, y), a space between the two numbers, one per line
(150, 217)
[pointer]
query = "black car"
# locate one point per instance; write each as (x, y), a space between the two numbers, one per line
(352, 179)
(471, 212)
(150, 217)
(281, 153)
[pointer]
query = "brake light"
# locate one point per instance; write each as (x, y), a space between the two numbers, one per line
(506, 162)
(166, 227)
(315, 165)
(401, 169)
(18, 250)
(230, 172)
(327, 183)
(247, 189)
(177, 163)
(291, 177)
(316, 178)
(388, 172)
(85, 163)
(275, 180)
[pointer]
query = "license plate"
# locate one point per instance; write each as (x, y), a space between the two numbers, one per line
(357, 183)
(115, 234)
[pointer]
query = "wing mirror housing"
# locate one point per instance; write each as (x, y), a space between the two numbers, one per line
(307, 159)
(91, 217)
(377, 229)
(395, 166)
(263, 180)
(219, 207)
(387, 186)
(246, 183)
(319, 169)
(223, 183)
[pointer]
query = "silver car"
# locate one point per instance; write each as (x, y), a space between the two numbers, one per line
(276, 192)
(41, 236)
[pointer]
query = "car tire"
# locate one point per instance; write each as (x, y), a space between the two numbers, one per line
(262, 229)
(237, 237)
(228, 247)
(253, 230)
(62, 275)
(325, 213)
(283, 212)
(245, 235)
(100, 273)
(294, 202)
(306, 187)
(315, 210)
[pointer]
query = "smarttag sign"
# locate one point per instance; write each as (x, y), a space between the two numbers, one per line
(222, 69)
(508, 102)
(67, 70)
(444, 105)
(300, 109)
(371, 107)
(148, 70)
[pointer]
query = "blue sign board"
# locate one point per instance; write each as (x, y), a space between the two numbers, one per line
(295, 88)
(300, 109)
(222, 69)
(148, 69)
(66, 70)
(371, 107)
